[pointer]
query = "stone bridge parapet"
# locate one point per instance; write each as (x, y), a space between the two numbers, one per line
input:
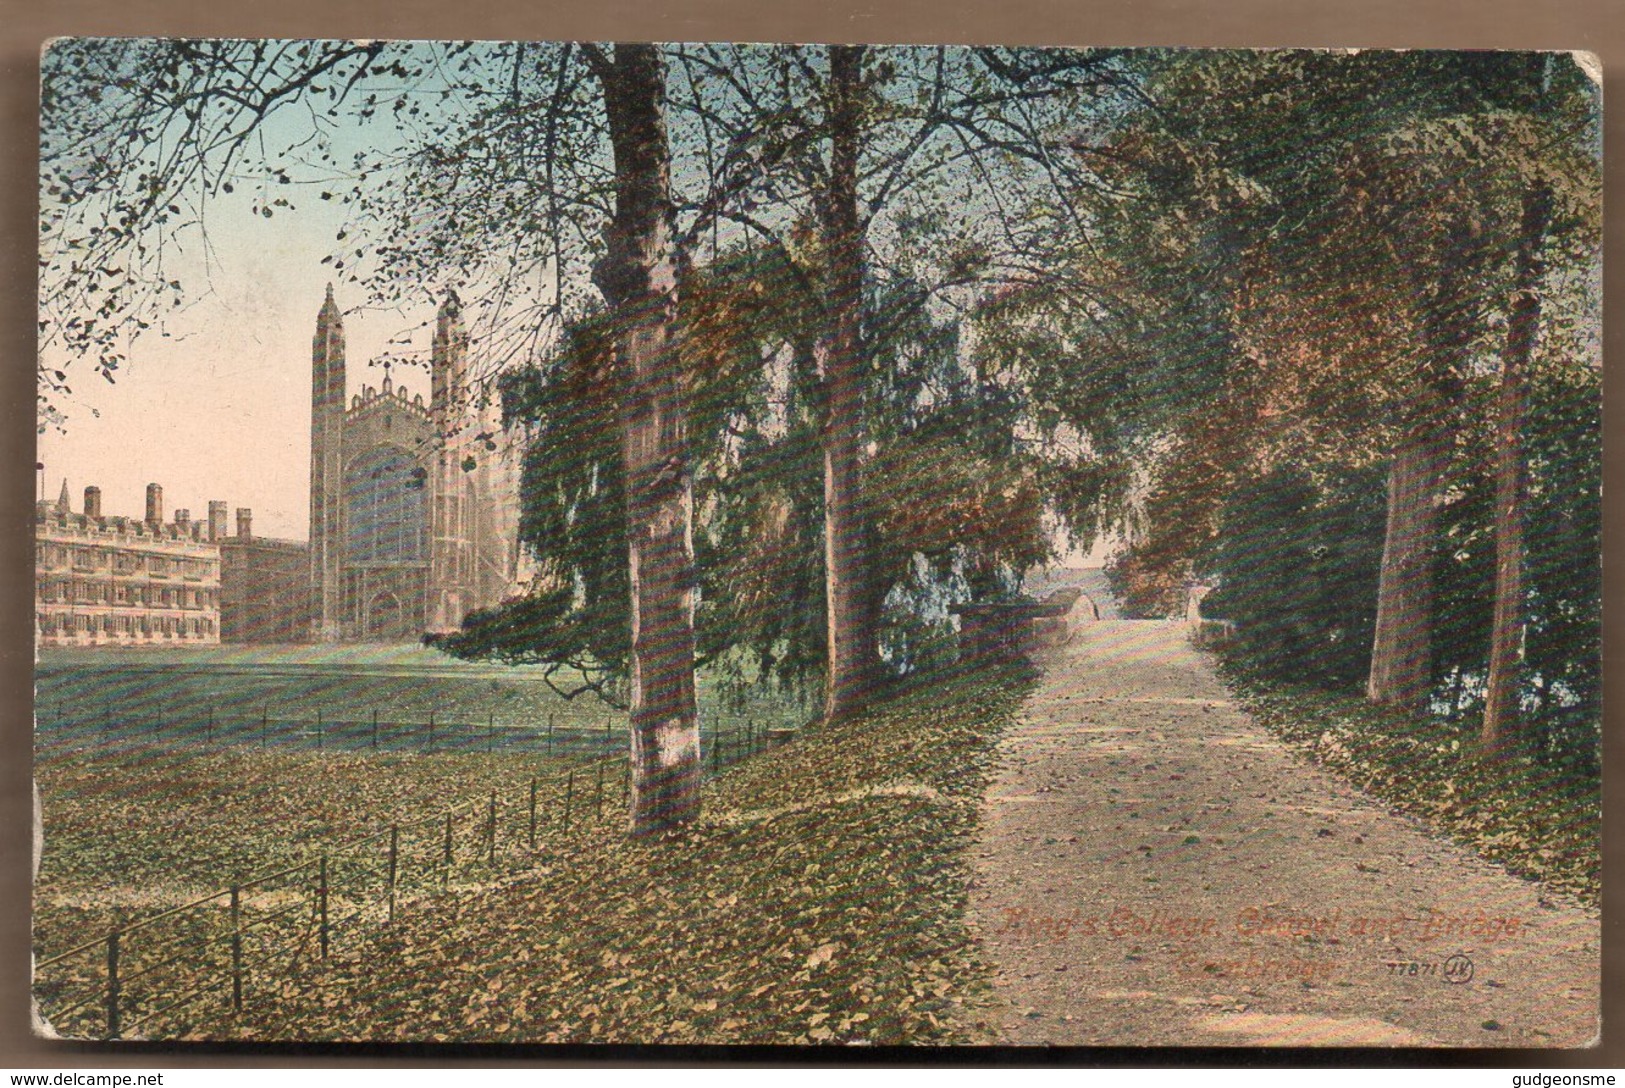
(1017, 630)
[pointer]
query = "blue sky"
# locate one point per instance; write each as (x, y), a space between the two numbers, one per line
(213, 402)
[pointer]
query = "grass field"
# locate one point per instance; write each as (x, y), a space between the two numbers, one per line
(131, 833)
(168, 774)
(820, 899)
(342, 697)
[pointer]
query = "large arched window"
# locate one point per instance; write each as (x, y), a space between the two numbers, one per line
(384, 508)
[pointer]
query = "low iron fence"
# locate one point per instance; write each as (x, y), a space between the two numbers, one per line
(61, 726)
(216, 950)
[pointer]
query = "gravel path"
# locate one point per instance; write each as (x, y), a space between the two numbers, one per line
(1156, 869)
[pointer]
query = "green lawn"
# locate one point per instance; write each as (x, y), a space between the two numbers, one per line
(331, 696)
(820, 899)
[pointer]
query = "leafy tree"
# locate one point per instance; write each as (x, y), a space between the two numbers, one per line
(849, 590)
(957, 504)
(1346, 222)
(749, 446)
(1560, 683)
(837, 152)
(139, 139)
(1298, 557)
(138, 132)
(1547, 149)
(1371, 274)
(838, 166)
(572, 517)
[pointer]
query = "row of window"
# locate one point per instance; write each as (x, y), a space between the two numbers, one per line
(115, 626)
(134, 596)
(48, 556)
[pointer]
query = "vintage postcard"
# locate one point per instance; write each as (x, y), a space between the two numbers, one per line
(817, 545)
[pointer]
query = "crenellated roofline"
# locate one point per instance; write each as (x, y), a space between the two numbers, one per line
(394, 397)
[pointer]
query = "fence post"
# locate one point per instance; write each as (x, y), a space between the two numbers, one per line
(394, 856)
(265, 725)
(626, 783)
(431, 730)
(112, 985)
(320, 730)
(598, 797)
(236, 949)
(490, 732)
(445, 873)
(533, 812)
(209, 736)
(321, 902)
(569, 792)
(550, 734)
(374, 729)
(491, 840)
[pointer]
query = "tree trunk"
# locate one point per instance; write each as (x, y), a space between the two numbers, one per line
(1401, 650)
(853, 611)
(1401, 660)
(1506, 632)
(638, 278)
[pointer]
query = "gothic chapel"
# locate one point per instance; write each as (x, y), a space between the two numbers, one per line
(413, 506)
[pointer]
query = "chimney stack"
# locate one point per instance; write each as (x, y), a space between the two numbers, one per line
(245, 523)
(155, 505)
(183, 519)
(93, 502)
(217, 519)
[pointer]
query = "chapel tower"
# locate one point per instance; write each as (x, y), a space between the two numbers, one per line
(326, 469)
(451, 554)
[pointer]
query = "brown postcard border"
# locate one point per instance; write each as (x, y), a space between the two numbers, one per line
(1593, 25)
